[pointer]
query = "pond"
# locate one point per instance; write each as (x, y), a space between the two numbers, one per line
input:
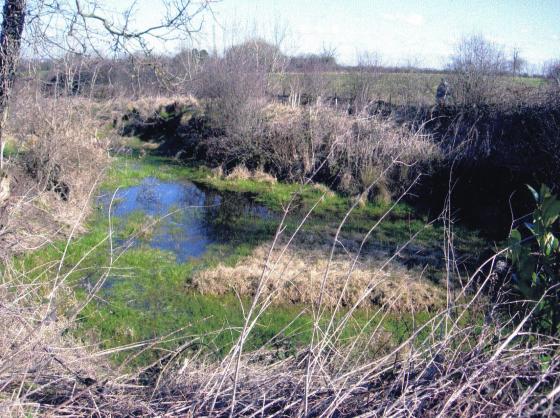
(168, 227)
(179, 216)
(148, 292)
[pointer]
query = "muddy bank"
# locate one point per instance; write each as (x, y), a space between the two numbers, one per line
(492, 153)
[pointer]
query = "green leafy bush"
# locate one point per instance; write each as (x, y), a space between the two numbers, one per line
(535, 254)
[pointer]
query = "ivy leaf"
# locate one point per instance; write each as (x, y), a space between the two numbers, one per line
(515, 237)
(534, 193)
(530, 227)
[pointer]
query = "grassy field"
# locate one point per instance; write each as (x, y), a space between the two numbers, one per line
(396, 88)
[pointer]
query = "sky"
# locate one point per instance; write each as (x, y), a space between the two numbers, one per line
(421, 31)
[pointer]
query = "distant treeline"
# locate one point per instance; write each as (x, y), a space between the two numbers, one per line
(190, 69)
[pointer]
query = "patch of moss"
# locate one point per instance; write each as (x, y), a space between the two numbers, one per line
(10, 148)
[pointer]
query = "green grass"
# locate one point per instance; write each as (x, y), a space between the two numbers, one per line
(10, 148)
(148, 294)
(130, 171)
(397, 88)
(399, 225)
(529, 81)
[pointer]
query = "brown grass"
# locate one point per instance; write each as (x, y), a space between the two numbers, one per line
(471, 359)
(58, 146)
(240, 172)
(297, 279)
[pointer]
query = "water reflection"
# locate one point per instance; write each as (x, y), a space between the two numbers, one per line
(189, 218)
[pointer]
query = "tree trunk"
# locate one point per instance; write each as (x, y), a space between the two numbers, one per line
(10, 42)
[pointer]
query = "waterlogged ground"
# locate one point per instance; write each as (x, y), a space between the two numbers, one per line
(178, 216)
(158, 224)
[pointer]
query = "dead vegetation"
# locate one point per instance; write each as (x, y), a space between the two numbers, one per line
(52, 177)
(453, 365)
(469, 358)
(292, 144)
(298, 272)
(242, 173)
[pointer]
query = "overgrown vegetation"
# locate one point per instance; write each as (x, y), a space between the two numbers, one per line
(536, 260)
(352, 285)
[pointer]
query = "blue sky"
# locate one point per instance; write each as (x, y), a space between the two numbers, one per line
(397, 30)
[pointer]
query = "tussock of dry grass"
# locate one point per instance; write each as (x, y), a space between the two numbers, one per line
(327, 191)
(298, 275)
(262, 176)
(240, 172)
(280, 116)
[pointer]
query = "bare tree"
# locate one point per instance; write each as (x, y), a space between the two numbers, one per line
(412, 63)
(476, 64)
(369, 60)
(10, 42)
(517, 63)
(311, 79)
(76, 26)
(365, 78)
(552, 71)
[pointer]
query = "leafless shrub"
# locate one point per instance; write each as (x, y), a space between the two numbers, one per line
(517, 63)
(291, 143)
(364, 80)
(236, 86)
(552, 71)
(372, 146)
(52, 178)
(60, 137)
(476, 65)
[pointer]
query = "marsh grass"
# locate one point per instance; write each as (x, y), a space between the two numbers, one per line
(93, 327)
(402, 221)
(148, 294)
(468, 357)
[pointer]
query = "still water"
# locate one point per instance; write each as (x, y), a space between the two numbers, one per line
(186, 217)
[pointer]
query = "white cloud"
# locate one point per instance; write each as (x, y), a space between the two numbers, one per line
(410, 19)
